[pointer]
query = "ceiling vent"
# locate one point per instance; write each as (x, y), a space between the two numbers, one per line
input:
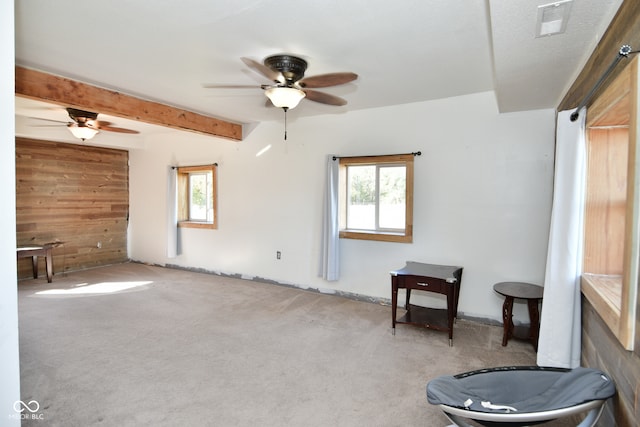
(552, 18)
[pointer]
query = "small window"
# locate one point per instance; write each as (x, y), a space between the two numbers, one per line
(197, 196)
(376, 198)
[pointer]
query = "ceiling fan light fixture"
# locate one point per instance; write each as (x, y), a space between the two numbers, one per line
(285, 97)
(82, 132)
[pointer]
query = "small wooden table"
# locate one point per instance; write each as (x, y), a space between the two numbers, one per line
(34, 252)
(533, 294)
(442, 279)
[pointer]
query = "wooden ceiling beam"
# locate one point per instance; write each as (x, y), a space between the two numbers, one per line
(70, 93)
(623, 29)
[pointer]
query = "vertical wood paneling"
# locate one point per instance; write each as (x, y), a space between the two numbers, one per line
(74, 194)
(602, 350)
(606, 200)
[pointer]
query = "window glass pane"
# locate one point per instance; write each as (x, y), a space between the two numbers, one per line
(361, 197)
(209, 197)
(392, 197)
(196, 202)
(375, 198)
(198, 197)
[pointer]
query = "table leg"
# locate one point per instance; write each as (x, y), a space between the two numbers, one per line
(507, 319)
(456, 298)
(534, 317)
(34, 263)
(49, 265)
(450, 312)
(394, 303)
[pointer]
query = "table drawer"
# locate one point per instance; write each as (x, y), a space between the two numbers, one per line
(426, 283)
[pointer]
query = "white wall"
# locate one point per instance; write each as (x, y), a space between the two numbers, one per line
(482, 198)
(9, 361)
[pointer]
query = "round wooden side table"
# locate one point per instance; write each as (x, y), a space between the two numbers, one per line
(533, 294)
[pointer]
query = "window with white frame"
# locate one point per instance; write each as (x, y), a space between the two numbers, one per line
(376, 198)
(197, 196)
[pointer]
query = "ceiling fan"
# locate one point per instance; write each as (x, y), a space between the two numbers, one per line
(289, 85)
(85, 124)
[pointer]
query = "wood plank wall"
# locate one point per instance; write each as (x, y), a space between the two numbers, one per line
(74, 194)
(602, 350)
(606, 200)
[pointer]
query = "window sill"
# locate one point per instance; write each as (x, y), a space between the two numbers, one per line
(196, 224)
(604, 292)
(379, 236)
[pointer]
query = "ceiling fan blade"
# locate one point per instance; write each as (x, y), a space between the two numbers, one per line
(215, 86)
(49, 120)
(324, 98)
(119, 130)
(326, 80)
(274, 76)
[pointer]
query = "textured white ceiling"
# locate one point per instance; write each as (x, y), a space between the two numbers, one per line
(403, 51)
(532, 73)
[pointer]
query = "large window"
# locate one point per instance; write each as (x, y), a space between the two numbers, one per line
(197, 196)
(376, 198)
(610, 265)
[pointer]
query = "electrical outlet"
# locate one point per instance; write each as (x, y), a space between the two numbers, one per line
(99, 245)
(278, 254)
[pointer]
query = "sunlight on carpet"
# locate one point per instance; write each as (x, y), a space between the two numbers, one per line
(97, 288)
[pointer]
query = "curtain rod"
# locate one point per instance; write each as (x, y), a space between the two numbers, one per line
(624, 52)
(194, 166)
(415, 153)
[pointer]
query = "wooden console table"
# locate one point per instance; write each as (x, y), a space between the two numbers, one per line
(34, 252)
(442, 279)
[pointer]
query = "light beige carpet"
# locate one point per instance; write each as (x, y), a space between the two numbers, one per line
(139, 345)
